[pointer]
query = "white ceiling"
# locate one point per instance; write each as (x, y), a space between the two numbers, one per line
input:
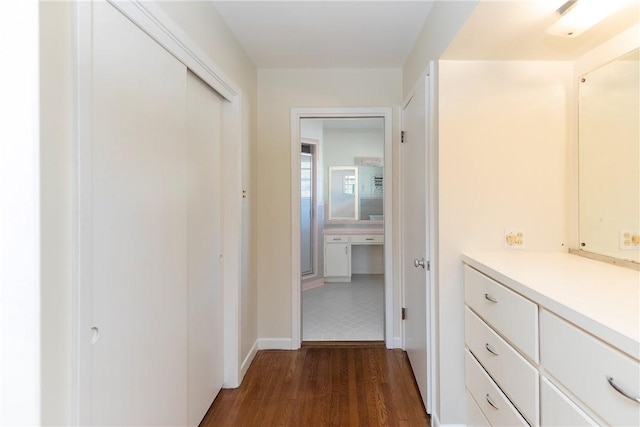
(326, 34)
(515, 30)
(381, 33)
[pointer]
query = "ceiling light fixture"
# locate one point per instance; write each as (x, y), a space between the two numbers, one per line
(577, 16)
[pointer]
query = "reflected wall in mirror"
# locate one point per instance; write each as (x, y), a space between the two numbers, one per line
(356, 143)
(609, 159)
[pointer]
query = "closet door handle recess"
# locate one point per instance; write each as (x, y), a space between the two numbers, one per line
(490, 298)
(621, 391)
(491, 402)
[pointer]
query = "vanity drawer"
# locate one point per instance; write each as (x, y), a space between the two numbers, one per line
(515, 376)
(583, 364)
(493, 403)
(515, 318)
(367, 238)
(475, 417)
(558, 410)
(333, 238)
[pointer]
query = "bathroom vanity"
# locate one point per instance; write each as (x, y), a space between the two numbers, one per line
(338, 243)
(551, 339)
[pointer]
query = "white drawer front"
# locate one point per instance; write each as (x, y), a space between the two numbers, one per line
(558, 410)
(475, 417)
(367, 239)
(582, 364)
(512, 316)
(493, 403)
(515, 376)
(336, 239)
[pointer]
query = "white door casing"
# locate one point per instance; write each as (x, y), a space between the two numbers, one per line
(415, 258)
(296, 294)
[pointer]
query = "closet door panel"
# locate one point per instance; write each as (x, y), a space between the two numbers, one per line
(205, 320)
(138, 226)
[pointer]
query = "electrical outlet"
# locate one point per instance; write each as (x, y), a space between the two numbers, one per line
(514, 238)
(629, 239)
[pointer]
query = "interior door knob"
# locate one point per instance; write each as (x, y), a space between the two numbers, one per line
(418, 263)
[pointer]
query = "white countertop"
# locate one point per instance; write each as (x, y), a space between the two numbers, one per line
(601, 298)
(353, 231)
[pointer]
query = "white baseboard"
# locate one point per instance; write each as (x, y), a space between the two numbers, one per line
(397, 342)
(247, 360)
(314, 284)
(435, 422)
(274, 344)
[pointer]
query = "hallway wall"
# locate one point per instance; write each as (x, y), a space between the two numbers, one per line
(279, 90)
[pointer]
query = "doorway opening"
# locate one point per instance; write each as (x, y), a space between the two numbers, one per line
(347, 295)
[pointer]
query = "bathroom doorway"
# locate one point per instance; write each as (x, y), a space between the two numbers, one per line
(345, 296)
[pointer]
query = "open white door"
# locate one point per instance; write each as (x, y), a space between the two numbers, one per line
(415, 235)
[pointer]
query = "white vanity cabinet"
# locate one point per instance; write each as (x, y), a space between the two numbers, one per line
(553, 337)
(501, 332)
(337, 258)
(337, 253)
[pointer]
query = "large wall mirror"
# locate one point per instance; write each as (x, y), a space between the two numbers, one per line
(609, 159)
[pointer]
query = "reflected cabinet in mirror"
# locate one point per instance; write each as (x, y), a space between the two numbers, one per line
(609, 159)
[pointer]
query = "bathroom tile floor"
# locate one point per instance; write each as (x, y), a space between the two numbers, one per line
(351, 311)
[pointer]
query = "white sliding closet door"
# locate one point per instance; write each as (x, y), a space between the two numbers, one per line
(205, 320)
(138, 227)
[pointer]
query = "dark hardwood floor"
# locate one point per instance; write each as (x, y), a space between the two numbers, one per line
(323, 385)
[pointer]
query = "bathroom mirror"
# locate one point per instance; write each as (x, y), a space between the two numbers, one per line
(609, 159)
(343, 193)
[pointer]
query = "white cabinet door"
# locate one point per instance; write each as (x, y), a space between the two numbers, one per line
(137, 226)
(337, 262)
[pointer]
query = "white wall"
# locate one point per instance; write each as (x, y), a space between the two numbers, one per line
(341, 146)
(443, 23)
(20, 294)
(279, 90)
(503, 162)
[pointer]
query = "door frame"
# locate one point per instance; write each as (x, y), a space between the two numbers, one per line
(431, 160)
(314, 221)
(296, 291)
(155, 23)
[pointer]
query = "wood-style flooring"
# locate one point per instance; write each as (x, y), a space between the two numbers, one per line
(323, 385)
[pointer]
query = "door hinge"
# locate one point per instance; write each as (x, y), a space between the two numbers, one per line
(402, 137)
(404, 313)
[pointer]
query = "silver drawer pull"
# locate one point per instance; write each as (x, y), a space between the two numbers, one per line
(368, 238)
(621, 391)
(490, 298)
(491, 402)
(490, 349)
(337, 238)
